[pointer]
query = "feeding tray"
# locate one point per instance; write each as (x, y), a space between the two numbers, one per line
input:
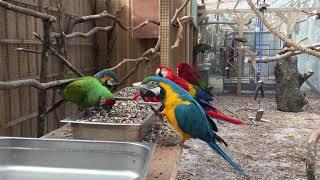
(39, 159)
(127, 121)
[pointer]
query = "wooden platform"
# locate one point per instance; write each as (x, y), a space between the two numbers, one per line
(164, 163)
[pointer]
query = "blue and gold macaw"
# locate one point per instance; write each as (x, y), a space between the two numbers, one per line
(185, 114)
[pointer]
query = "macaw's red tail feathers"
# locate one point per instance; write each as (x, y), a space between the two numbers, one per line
(53, 107)
(219, 115)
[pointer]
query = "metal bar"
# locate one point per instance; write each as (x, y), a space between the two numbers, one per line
(269, 10)
(165, 32)
(217, 22)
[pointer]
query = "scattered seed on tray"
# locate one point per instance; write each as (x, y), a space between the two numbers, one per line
(127, 92)
(162, 133)
(121, 112)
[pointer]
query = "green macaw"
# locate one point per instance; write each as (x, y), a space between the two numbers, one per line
(200, 47)
(85, 92)
(185, 114)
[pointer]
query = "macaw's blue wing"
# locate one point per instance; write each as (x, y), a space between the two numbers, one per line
(192, 120)
(200, 94)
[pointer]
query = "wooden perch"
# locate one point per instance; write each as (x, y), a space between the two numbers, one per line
(288, 41)
(311, 154)
(184, 19)
(31, 82)
(27, 11)
(178, 11)
(278, 57)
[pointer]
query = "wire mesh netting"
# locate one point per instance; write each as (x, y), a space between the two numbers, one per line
(19, 107)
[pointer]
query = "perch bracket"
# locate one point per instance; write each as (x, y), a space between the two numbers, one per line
(258, 117)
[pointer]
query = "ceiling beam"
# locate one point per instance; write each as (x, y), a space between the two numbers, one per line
(216, 22)
(269, 10)
(216, 2)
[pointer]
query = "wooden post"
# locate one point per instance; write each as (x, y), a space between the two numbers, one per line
(311, 154)
(240, 21)
(42, 100)
(165, 33)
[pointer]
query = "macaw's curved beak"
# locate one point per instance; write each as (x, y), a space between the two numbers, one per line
(152, 94)
(112, 82)
(107, 104)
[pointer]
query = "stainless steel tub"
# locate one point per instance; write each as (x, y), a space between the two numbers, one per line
(44, 159)
(110, 131)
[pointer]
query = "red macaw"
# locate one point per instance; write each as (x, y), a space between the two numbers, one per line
(201, 96)
(191, 75)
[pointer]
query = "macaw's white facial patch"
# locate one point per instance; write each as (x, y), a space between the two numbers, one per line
(158, 71)
(164, 72)
(156, 90)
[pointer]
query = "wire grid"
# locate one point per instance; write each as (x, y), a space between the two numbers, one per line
(18, 107)
(165, 32)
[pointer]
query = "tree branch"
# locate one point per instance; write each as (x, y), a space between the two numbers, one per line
(62, 59)
(89, 33)
(178, 11)
(31, 82)
(289, 42)
(278, 57)
(179, 35)
(311, 154)
(184, 19)
(304, 77)
(27, 11)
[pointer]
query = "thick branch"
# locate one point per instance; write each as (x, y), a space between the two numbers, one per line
(148, 21)
(304, 77)
(178, 11)
(278, 57)
(27, 11)
(289, 42)
(89, 33)
(179, 35)
(312, 153)
(31, 82)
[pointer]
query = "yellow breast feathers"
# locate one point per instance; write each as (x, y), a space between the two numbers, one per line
(171, 101)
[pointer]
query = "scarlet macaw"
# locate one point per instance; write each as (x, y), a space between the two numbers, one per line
(186, 115)
(201, 96)
(185, 71)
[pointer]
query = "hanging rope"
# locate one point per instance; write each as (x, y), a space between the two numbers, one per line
(260, 53)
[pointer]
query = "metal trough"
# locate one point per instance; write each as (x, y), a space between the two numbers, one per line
(39, 159)
(110, 131)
